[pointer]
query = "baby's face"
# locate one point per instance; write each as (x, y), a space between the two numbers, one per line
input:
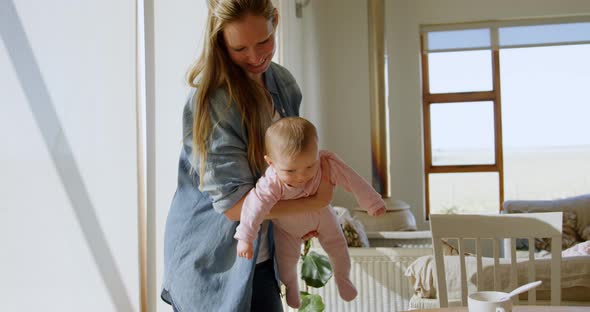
(298, 169)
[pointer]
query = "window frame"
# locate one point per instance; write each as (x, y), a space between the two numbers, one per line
(428, 99)
(493, 96)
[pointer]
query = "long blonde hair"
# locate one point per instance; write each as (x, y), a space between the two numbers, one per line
(214, 69)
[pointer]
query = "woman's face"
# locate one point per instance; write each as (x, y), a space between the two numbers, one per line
(250, 43)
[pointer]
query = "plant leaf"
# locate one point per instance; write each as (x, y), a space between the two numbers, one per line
(316, 270)
(311, 303)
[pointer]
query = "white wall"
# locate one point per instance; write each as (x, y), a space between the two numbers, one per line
(68, 208)
(335, 76)
(331, 58)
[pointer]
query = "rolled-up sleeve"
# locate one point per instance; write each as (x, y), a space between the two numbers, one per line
(227, 177)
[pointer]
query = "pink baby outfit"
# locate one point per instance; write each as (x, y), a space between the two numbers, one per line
(288, 231)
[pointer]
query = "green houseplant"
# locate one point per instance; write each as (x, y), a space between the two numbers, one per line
(316, 271)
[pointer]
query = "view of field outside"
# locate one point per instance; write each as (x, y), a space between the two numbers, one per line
(530, 173)
(546, 134)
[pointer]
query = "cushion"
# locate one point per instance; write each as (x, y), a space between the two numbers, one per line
(353, 233)
(352, 228)
(569, 237)
(585, 233)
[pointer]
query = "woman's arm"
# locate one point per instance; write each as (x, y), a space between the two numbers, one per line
(233, 213)
(285, 208)
(319, 200)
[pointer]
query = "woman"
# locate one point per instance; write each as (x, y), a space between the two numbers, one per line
(237, 93)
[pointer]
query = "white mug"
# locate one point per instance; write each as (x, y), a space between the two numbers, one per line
(489, 301)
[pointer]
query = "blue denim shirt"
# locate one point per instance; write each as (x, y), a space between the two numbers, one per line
(201, 270)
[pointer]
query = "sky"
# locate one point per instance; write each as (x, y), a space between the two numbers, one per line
(544, 98)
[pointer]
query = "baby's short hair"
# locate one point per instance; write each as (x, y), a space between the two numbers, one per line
(290, 136)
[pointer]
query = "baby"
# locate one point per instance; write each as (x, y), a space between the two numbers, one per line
(294, 172)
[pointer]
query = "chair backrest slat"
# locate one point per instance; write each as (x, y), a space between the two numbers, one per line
(440, 273)
(532, 296)
(513, 268)
(555, 270)
(479, 266)
(463, 271)
(496, 250)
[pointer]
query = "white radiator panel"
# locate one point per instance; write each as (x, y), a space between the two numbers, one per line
(378, 274)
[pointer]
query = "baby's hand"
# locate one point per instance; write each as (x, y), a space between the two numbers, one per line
(377, 212)
(245, 249)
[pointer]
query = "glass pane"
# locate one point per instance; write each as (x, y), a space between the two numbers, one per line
(462, 133)
(464, 193)
(544, 34)
(545, 109)
(460, 71)
(459, 39)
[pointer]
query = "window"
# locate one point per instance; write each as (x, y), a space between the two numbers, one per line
(504, 113)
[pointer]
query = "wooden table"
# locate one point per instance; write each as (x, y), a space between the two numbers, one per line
(522, 308)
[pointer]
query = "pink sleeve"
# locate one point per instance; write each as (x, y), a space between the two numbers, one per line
(341, 174)
(257, 204)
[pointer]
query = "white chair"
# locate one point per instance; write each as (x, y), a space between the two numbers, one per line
(496, 228)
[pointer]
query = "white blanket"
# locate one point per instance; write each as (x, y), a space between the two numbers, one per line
(581, 249)
(575, 272)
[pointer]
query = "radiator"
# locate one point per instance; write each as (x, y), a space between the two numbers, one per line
(378, 274)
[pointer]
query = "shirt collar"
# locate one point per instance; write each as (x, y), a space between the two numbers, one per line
(269, 81)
